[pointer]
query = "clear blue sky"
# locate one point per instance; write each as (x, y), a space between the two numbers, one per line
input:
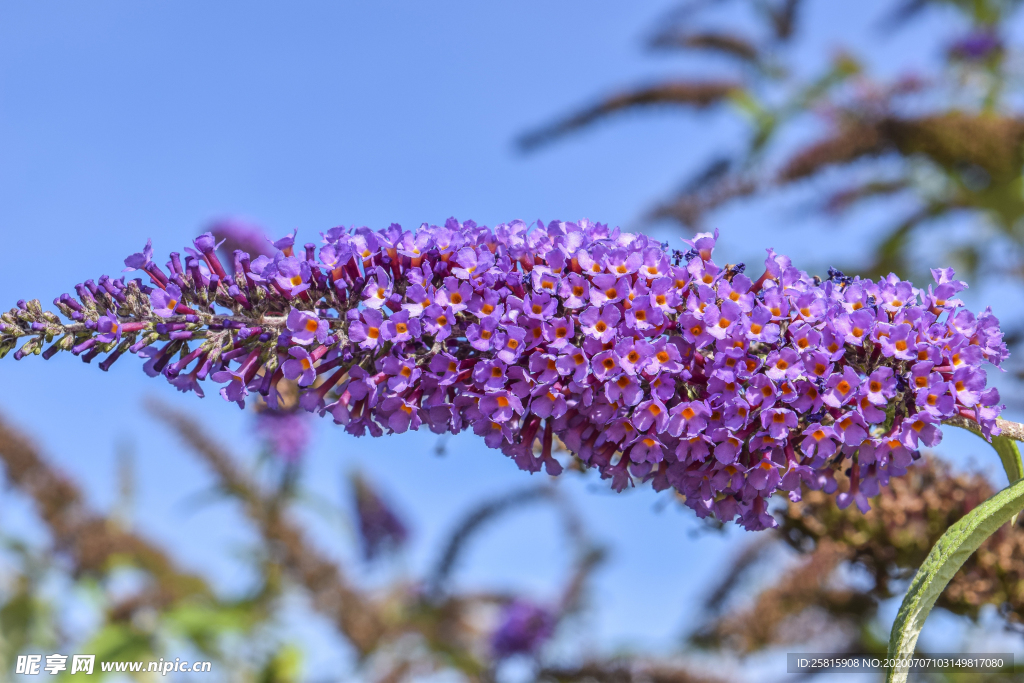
(121, 121)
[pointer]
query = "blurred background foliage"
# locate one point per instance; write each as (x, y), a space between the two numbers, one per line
(950, 142)
(945, 152)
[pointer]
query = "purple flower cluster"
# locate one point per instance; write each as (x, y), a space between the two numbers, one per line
(286, 433)
(976, 46)
(380, 527)
(522, 629)
(646, 363)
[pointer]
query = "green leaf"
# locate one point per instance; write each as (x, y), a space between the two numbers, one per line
(945, 559)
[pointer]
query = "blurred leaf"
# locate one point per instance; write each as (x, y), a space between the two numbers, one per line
(119, 643)
(844, 66)
(203, 625)
(765, 121)
(20, 619)
(284, 667)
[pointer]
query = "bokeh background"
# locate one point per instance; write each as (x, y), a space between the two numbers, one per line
(122, 121)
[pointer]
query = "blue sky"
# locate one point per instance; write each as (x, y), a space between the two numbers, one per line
(121, 121)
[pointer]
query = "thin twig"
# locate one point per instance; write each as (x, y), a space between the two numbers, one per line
(1012, 430)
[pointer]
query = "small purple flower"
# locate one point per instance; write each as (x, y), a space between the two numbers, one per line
(292, 275)
(625, 390)
(784, 364)
(456, 295)
(573, 362)
(490, 375)
(481, 336)
(759, 326)
(401, 328)
(299, 366)
(437, 321)
(165, 301)
(688, 418)
(366, 332)
(967, 384)
(109, 329)
(544, 367)
(510, 344)
(840, 388)
(473, 263)
(141, 260)
(305, 327)
(651, 413)
(547, 402)
(286, 243)
(401, 373)
(500, 406)
(540, 306)
(819, 441)
(377, 290)
(601, 323)
(881, 386)
(647, 448)
(778, 422)
(720, 322)
(765, 474)
(574, 291)
(900, 343)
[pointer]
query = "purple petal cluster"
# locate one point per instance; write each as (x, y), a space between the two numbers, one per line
(286, 433)
(647, 363)
(522, 629)
(380, 527)
(978, 45)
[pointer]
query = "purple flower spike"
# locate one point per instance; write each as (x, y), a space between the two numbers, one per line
(648, 368)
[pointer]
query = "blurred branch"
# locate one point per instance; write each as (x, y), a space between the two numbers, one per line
(686, 93)
(93, 543)
(810, 601)
(783, 18)
(480, 516)
(332, 594)
(690, 205)
(623, 671)
(851, 143)
(725, 43)
(803, 587)
(750, 554)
